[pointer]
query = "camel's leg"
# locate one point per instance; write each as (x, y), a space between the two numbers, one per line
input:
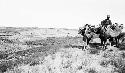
(88, 39)
(105, 42)
(116, 41)
(85, 44)
(102, 41)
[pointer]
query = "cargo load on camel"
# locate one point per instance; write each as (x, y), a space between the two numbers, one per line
(106, 33)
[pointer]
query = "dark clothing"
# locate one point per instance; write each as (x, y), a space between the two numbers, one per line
(106, 22)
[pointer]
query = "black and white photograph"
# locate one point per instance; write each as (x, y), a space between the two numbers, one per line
(62, 36)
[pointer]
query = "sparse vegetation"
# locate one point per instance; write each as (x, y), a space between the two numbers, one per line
(57, 54)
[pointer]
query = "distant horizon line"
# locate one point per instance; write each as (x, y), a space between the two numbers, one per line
(38, 28)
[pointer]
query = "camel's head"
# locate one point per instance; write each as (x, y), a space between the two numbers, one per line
(121, 26)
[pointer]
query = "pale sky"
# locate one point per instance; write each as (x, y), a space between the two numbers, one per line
(59, 13)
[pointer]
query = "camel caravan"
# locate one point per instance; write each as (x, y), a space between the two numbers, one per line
(108, 33)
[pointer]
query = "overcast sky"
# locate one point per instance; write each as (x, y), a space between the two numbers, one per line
(59, 13)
